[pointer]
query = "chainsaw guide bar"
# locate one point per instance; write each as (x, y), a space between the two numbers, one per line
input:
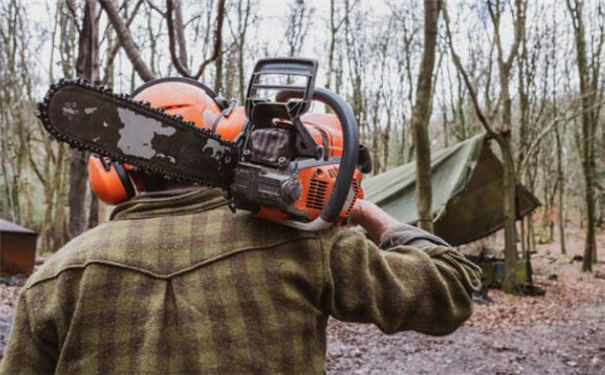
(132, 132)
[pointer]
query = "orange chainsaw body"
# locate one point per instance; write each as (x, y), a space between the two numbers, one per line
(317, 181)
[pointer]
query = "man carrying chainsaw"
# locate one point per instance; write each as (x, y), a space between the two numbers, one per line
(176, 282)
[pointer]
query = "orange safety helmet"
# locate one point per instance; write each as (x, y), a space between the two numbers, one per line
(114, 183)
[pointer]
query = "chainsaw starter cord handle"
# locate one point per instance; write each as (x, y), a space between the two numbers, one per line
(348, 160)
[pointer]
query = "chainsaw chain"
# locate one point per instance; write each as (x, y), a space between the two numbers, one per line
(144, 108)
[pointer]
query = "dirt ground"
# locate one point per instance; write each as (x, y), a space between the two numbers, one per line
(562, 332)
(9, 291)
(574, 347)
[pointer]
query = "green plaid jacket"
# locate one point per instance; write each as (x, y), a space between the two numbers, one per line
(181, 285)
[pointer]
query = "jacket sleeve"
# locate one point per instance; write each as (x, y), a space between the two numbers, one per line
(25, 352)
(415, 283)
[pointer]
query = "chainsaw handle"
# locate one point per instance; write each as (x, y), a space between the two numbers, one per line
(348, 160)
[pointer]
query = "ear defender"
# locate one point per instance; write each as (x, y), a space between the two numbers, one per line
(114, 183)
(109, 181)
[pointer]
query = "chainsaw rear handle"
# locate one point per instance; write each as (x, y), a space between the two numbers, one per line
(348, 160)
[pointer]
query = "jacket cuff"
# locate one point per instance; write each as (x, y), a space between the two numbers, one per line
(407, 235)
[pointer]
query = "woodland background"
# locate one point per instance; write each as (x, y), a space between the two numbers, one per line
(529, 73)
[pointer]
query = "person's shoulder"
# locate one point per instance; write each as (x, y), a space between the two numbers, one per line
(244, 229)
(342, 237)
(75, 254)
(343, 233)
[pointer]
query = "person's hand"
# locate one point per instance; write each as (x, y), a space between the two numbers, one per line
(356, 214)
(372, 218)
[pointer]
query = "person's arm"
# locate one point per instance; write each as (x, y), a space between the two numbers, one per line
(386, 231)
(414, 282)
(371, 218)
(25, 353)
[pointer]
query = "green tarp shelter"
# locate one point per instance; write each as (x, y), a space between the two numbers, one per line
(467, 192)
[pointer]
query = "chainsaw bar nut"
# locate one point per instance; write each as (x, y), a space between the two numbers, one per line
(291, 190)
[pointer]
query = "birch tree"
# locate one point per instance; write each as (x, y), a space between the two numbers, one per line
(500, 127)
(421, 114)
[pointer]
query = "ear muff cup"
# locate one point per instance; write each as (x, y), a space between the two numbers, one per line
(109, 181)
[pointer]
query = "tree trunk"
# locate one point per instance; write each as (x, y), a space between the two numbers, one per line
(527, 248)
(588, 133)
(559, 148)
(242, 27)
(87, 68)
(61, 219)
(386, 138)
(444, 123)
(503, 134)
(126, 40)
(61, 233)
(524, 235)
(331, 45)
(77, 193)
(590, 245)
(218, 46)
(510, 245)
(240, 73)
(229, 81)
(421, 114)
(560, 177)
(180, 32)
(93, 214)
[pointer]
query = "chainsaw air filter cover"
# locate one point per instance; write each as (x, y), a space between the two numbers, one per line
(273, 147)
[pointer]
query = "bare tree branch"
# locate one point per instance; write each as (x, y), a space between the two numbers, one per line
(465, 77)
(152, 6)
(125, 39)
(179, 64)
(551, 125)
(180, 31)
(218, 39)
(104, 33)
(218, 42)
(74, 15)
(116, 48)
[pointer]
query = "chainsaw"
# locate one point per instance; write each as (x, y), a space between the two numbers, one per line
(302, 171)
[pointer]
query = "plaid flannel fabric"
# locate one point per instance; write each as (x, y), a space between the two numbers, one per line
(181, 285)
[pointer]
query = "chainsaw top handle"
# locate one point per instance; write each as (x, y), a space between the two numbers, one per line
(348, 160)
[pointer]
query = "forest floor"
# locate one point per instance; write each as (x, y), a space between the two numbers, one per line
(562, 332)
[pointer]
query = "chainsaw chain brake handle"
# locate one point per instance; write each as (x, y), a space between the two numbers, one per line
(266, 81)
(291, 102)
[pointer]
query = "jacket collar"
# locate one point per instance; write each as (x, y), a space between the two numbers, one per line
(169, 203)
